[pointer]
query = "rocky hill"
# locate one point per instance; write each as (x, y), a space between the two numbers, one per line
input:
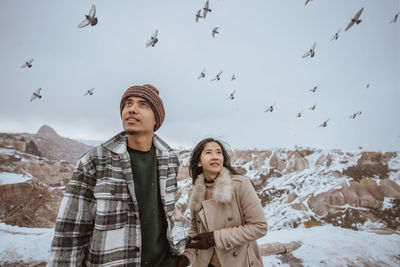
(301, 187)
(46, 143)
(45, 162)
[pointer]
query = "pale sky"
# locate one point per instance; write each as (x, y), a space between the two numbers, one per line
(261, 41)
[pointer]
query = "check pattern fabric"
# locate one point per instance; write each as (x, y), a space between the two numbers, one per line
(98, 223)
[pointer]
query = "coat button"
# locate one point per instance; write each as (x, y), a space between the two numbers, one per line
(228, 245)
(198, 221)
(229, 218)
(197, 252)
(235, 254)
(252, 262)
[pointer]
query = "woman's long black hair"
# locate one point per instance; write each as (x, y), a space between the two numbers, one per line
(195, 170)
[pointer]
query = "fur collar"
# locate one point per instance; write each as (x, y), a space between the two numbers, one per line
(222, 193)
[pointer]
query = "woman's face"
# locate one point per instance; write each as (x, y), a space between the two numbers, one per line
(211, 160)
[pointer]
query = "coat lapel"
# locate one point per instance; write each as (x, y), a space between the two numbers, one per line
(222, 192)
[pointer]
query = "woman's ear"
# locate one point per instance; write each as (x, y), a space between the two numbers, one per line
(199, 164)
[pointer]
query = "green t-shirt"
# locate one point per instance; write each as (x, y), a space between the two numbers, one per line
(155, 246)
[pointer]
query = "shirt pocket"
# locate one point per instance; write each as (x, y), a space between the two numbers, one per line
(112, 204)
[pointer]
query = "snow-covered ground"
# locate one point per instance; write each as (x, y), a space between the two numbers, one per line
(334, 246)
(24, 244)
(321, 246)
(13, 178)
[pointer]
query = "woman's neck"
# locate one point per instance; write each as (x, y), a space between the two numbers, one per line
(210, 176)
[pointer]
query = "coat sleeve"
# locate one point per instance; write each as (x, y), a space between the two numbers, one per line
(75, 220)
(255, 224)
(191, 252)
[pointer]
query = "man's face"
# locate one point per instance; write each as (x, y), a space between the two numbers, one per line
(137, 116)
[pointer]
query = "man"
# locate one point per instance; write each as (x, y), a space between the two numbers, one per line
(118, 207)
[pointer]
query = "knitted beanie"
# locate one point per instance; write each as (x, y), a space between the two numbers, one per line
(151, 95)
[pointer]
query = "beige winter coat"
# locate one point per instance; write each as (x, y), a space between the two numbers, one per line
(235, 240)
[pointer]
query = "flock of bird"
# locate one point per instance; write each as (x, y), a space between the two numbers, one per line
(311, 53)
(92, 20)
(206, 9)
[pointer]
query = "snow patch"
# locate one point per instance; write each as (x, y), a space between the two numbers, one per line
(13, 178)
(24, 244)
(335, 246)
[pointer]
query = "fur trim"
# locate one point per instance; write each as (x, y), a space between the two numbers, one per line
(222, 192)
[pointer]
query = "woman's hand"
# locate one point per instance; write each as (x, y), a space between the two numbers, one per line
(182, 261)
(204, 241)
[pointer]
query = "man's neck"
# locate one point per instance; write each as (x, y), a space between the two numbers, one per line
(140, 142)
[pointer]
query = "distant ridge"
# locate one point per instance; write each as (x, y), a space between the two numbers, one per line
(50, 144)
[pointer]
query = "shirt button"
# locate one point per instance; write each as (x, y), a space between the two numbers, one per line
(198, 221)
(229, 218)
(252, 262)
(235, 254)
(228, 245)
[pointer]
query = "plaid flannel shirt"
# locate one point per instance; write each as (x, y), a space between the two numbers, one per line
(98, 221)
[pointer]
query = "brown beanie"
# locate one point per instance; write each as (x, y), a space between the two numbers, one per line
(151, 95)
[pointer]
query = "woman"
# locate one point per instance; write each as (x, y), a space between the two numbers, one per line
(226, 215)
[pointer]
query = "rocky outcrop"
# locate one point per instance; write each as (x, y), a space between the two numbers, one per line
(54, 146)
(45, 143)
(370, 164)
(54, 173)
(296, 162)
(356, 202)
(31, 148)
(18, 145)
(278, 248)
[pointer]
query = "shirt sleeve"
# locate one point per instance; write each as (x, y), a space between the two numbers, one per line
(75, 220)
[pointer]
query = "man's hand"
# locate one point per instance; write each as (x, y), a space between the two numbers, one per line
(204, 241)
(182, 261)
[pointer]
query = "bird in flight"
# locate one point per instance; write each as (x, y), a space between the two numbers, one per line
(394, 20)
(218, 76)
(270, 108)
(299, 114)
(356, 19)
(353, 116)
(36, 94)
(313, 107)
(336, 36)
(233, 77)
(202, 74)
(232, 95)
(307, 1)
(89, 19)
(310, 52)
(314, 88)
(153, 40)
(28, 63)
(89, 92)
(198, 16)
(214, 31)
(206, 9)
(324, 124)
